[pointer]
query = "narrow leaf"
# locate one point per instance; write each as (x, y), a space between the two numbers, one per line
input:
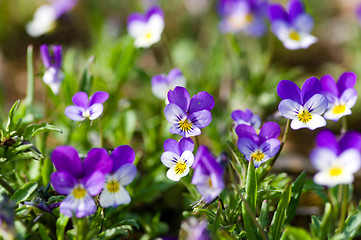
(279, 216)
(297, 187)
(25, 192)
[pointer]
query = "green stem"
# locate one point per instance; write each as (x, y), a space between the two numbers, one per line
(166, 49)
(344, 125)
(5, 185)
(30, 69)
(197, 141)
(101, 133)
(344, 202)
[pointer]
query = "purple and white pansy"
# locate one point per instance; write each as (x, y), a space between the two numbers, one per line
(162, 84)
(146, 29)
(208, 174)
(122, 174)
(178, 157)
(260, 147)
(243, 15)
(341, 96)
(292, 28)
(304, 107)
(188, 115)
(53, 75)
(86, 108)
(79, 179)
(336, 159)
(246, 117)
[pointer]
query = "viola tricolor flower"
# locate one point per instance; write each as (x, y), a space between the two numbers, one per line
(187, 115)
(86, 108)
(53, 75)
(304, 107)
(341, 96)
(292, 28)
(194, 229)
(146, 30)
(243, 15)
(161, 84)
(358, 13)
(260, 147)
(123, 173)
(178, 157)
(208, 174)
(336, 160)
(246, 117)
(79, 179)
(46, 15)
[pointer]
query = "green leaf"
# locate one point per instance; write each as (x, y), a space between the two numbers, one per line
(43, 234)
(295, 233)
(10, 125)
(263, 217)
(353, 225)
(25, 192)
(35, 129)
(297, 187)
(60, 226)
(87, 78)
(46, 170)
(279, 216)
(325, 224)
(315, 226)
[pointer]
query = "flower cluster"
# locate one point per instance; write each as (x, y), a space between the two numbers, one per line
(336, 159)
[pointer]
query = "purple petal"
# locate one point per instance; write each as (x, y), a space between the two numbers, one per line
(194, 131)
(329, 84)
(277, 12)
(180, 97)
(311, 87)
(326, 139)
(66, 159)
(63, 6)
(185, 144)
(295, 8)
(247, 131)
(136, 25)
(287, 89)
(303, 23)
(154, 10)
(122, 155)
(201, 119)
(63, 182)
(126, 174)
(174, 74)
(171, 145)
(95, 111)
(75, 113)
(201, 101)
(57, 56)
(289, 108)
(45, 56)
(81, 99)
(247, 147)
(159, 79)
(349, 97)
(346, 80)
(98, 97)
(208, 161)
(240, 115)
(317, 104)
(350, 139)
(94, 183)
(173, 113)
(270, 147)
(322, 158)
(136, 17)
(97, 159)
(270, 130)
(80, 207)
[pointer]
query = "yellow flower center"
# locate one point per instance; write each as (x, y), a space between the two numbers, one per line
(238, 22)
(180, 167)
(304, 116)
(113, 186)
(258, 156)
(335, 171)
(339, 109)
(79, 192)
(185, 125)
(294, 36)
(148, 35)
(210, 182)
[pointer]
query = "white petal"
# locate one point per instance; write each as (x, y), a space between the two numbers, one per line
(351, 160)
(297, 124)
(330, 115)
(43, 22)
(172, 175)
(107, 199)
(324, 178)
(125, 174)
(317, 104)
(316, 122)
(322, 158)
(188, 158)
(161, 90)
(289, 109)
(155, 24)
(169, 159)
(95, 111)
(137, 29)
(122, 196)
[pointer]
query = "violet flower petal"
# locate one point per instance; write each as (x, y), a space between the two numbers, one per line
(173, 113)
(201, 119)
(94, 183)
(81, 99)
(57, 56)
(201, 101)
(326, 139)
(346, 80)
(295, 9)
(329, 84)
(171, 145)
(66, 158)
(126, 174)
(97, 159)
(350, 139)
(45, 56)
(317, 104)
(80, 207)
(270, 147)
(289, 108)
(277, 12)
(303, 23)
(243, 130)
(287, 89)
(75, 113)
(185, 144)
(270, 130)
(98, 97)
(310, 87)
(174, 74)
(321, 158)
(137, 25)
(349, 97)
(95, 111)
(122, 155)
(155, 10)
(180, 97)
(194, 131)
(247, 147)
(63, 182)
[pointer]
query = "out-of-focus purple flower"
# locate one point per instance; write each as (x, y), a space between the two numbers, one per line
(336, 160)
(53, 75)
(260, 147)
(46, 15)
(243, 15)
(304, 107)
(161, 84)
(123, 173)
(293, 27)
(208, 174)
(146, 30)
(188, 115)
(7, 217)
(85, 108)
(341, 96)
(193, 229)
(358, 13)
(246, 117)
(178, 157)
(79, 179)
